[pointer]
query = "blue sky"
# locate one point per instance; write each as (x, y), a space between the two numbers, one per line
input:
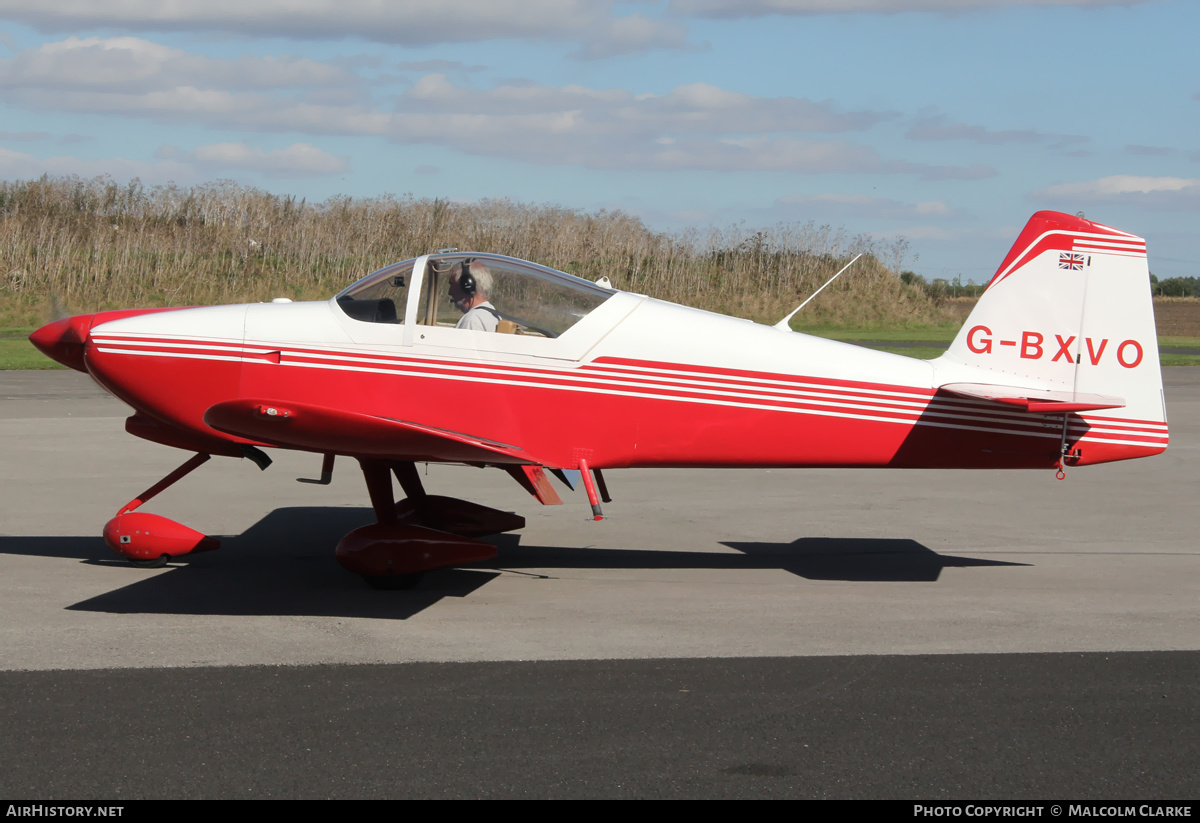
(946, 122)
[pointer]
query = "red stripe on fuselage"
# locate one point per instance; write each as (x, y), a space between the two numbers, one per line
(625, 412)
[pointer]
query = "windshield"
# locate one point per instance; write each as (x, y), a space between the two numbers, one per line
(477, 291)
(523, 298)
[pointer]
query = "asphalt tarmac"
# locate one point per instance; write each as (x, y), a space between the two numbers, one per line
(723, 634)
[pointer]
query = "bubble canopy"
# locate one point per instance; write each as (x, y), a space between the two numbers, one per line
(527, 298)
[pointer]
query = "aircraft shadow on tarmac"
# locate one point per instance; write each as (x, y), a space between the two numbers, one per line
(860, 559)
(284, 564)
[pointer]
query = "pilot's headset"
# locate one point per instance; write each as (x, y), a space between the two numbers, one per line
(466, 280)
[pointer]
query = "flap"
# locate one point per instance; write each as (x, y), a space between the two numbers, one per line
(1039, 401)
(316, 428)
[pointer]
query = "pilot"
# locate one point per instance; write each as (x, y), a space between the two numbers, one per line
(470, 284)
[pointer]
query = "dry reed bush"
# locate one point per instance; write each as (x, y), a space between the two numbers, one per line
(88, 245)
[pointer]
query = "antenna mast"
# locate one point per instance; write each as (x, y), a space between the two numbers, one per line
(783, 324)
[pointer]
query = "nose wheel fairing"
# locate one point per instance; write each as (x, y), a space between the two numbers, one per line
(149, 538)
(146, 539)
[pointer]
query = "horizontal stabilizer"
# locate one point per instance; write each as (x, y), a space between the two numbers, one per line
(316, 428)
(1038, 401)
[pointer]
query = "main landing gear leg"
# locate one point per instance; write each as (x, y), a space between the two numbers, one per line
(420, 533)
(410, 480)
(150, 540)
(379, 486)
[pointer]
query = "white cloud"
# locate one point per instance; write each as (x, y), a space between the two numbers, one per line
(25, 135)
(574, 138)
(20, 165)
(1144, 192)
(1119, 184)
(1148, 151)
(175, 165)
(929, 126)
(919, 233)
(155, 95)
(590, 24)
(759, 8)
(860, 206)
(694, 127)
(939, 128)
(626, 35)
(297, 160)
(437, 65)
(696, 107)
(131, 64)
(697, 126)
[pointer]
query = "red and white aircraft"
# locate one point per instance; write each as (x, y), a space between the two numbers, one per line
(1057, 366)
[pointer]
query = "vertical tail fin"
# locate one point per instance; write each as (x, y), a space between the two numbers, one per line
(1069, 315)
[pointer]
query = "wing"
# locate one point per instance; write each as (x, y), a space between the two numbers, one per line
(316, 428)
(1038, 401)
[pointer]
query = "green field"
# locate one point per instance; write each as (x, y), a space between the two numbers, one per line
(19, 353)
(918, 352)
(916, 334)
(1169, 342)
(1179, 359)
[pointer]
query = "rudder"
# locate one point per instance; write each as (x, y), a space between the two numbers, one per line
(1069, 312)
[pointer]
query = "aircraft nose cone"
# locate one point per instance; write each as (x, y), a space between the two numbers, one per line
(63, 340)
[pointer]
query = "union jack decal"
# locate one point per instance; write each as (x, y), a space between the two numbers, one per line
(1072, 261)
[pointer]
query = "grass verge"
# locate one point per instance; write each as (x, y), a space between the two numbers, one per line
(19, 353)
(914, 334)
(1179, 359)
(1176, 342)
(917, 352)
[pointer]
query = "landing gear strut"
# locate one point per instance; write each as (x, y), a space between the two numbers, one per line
(420, 533)
(150, 540)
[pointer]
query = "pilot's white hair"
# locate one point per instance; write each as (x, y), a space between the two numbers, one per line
(482, 275)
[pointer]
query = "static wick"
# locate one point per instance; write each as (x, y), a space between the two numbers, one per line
(784, 324)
